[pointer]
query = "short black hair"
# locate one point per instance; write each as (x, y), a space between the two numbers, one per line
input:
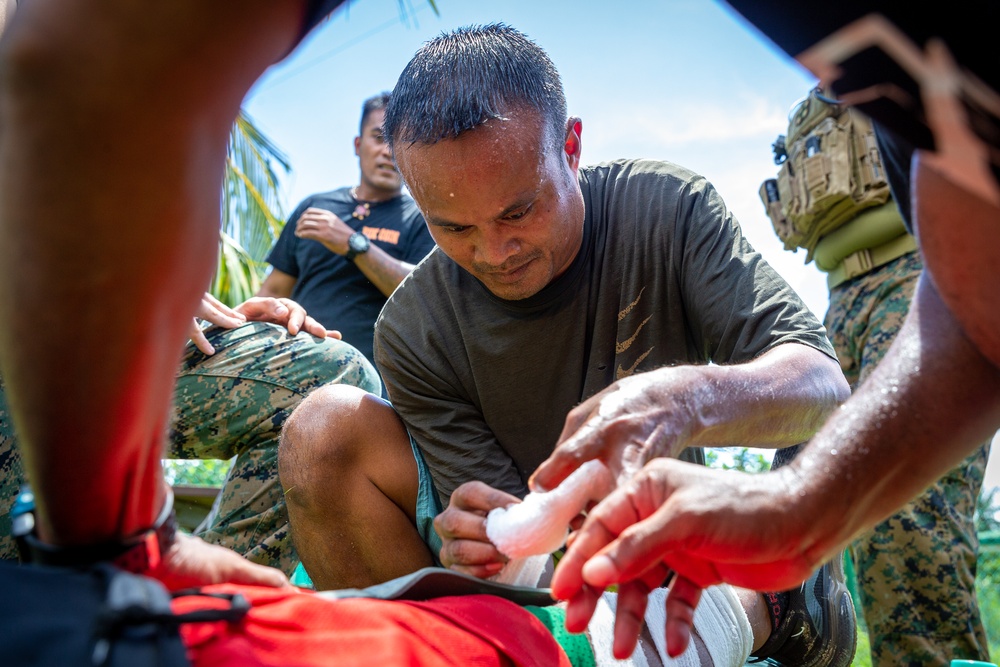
(373, 103)
(460, 80)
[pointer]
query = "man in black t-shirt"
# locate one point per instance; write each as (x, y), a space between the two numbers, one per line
(343, 252)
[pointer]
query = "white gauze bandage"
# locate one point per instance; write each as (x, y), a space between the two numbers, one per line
(719, 622)
(539, 524)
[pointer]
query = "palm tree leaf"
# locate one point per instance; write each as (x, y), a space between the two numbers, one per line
(251, 211)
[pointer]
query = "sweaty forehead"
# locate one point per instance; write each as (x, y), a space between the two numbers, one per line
(493, 163)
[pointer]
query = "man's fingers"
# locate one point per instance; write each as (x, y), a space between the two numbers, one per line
(192, 562)
(479, 571)
(198, 338)
(629, 617)
(480, 497)
(551, 473)
(220, 314)
(455, 523)
(567, 457)
(481, 559)
(264, 309)
(568, 577)
(633, 552)
(580, 608)
(462, 527)
(310, 325)
(296, 315)
(681, 602)
(216, 312)
(274, 311)
(578, 443)
(253, 574)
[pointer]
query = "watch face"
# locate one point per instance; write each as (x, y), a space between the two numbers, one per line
(358, 242)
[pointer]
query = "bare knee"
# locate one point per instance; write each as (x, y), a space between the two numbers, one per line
(321, 436)
(336, 436)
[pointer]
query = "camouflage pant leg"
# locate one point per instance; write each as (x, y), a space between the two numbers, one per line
(231, 404)
(234, 403)
(11, 476)
(916, 570)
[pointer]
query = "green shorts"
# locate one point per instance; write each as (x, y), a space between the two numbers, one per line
(428, 504)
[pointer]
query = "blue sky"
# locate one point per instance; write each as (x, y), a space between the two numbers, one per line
(680, 80)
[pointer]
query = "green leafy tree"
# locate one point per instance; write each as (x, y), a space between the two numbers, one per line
(988, 511)
(737, 458)
(252, 214)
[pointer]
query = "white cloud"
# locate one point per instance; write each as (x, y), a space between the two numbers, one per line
(691, 121)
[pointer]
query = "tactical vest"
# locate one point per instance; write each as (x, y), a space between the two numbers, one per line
(831, 174)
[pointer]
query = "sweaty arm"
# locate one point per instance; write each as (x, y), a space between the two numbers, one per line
(776, 400)
(775, 376)
(931, 401)
(382, 269)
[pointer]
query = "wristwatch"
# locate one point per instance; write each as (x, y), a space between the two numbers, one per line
(357, 244)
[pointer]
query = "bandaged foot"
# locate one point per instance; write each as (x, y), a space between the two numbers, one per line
(722, 636)
(532, 529)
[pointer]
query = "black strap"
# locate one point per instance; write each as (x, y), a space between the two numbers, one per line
(139, 554)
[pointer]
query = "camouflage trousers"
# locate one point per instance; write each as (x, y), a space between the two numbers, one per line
(916, 570)
(232, 404)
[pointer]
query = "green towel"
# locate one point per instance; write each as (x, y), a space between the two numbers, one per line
(576, 646)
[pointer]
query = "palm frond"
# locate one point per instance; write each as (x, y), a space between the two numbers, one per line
(238, 275)
(252, 215)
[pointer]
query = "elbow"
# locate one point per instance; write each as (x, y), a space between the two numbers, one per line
(837, 384)
(831, 387)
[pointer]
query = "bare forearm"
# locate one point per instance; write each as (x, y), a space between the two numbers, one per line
(777, 400)
(382, 269)
(931, 401)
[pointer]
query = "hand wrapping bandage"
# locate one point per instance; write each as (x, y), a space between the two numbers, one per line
(539, 524)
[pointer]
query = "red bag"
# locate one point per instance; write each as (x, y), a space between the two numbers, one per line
(296, 628)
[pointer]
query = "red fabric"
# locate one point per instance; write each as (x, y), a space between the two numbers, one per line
(298, 629)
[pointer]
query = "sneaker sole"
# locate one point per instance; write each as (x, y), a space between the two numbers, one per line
(846, 634)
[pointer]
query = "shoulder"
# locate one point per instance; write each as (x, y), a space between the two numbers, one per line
(338, 197)
(645, 188)
(635, 176)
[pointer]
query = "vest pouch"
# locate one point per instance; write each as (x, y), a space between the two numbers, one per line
(830, 172)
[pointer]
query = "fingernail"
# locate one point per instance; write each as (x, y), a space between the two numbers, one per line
(535, 486)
